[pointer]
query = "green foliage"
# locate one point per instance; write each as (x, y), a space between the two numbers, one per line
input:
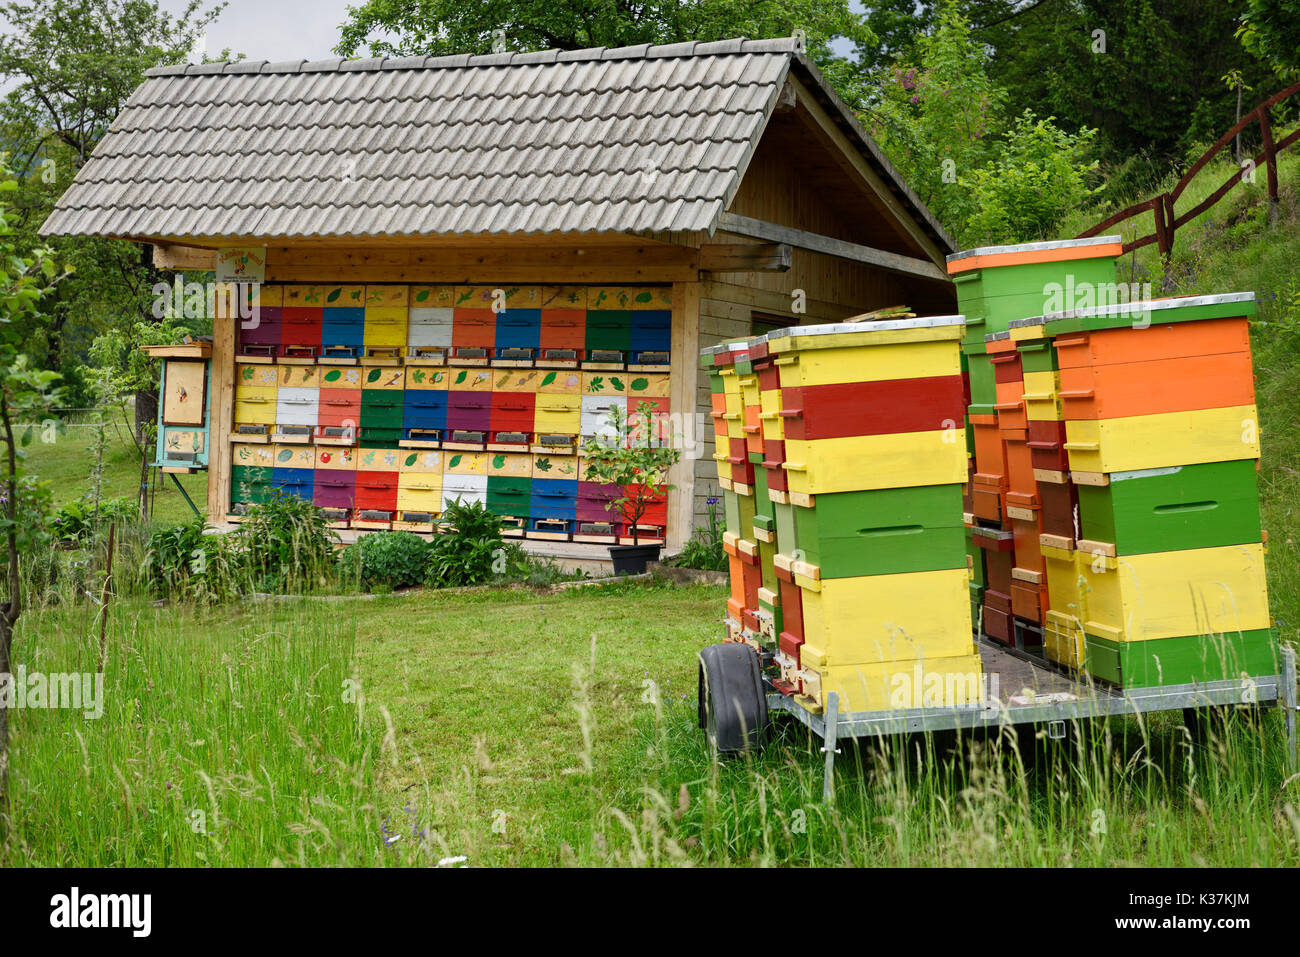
(386, 560)
(435, 27)
(79, 521)
(1037, 179)
(1271, 31)
(471, 552)
(635, 460)
(289, 544)
(34, 502)
(704, 548)
(190, 563)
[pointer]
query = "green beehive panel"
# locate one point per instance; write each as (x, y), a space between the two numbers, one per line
(983, 385)
(994, 296)
(1157, 312)
(777, 621)
(715, 381)
(1169, 509)
(766, 550)
(609, 330)
(508, 495)
(1037, 355)
(250, 483)
(764, 513)
(1180, 661)
(786, 539)
(379, 410)
(976, 605)
(976, 563)
(883, 531)
(731, 512)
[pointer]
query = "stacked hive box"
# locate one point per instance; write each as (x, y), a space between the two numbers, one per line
(507, 383)
(1163, 438)
(844, 528)
(1114, 497)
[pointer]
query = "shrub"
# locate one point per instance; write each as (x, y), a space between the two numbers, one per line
(386, 560)
(288, 544)
(704, 549)
(471, 552)
(537, 571)
(188, 562)
(75, 522)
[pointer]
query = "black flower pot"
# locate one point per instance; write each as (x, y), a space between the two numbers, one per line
(631, 559)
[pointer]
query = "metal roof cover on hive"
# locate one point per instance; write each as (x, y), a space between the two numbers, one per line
(636, 139)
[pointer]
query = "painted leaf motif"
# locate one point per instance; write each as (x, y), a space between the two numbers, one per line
(548, 378)
(498, 461)
(455, 460)
(422, 295)
(418, 375)
(285, 455)
(410, 459)
(501, 383)
(643, 297)
(617, 383)
(248, 373)
(334, 294)
(597, 383)
(461, 378)
(640, 385)
(544, 464)
(374, 375)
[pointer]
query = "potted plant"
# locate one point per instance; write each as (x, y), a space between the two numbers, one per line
(637, 461)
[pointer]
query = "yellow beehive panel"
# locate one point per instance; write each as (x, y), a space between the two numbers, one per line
(385, 326)
(860, 462)
(547, 466)
(517, 380)
(882, 618)
(770, 414)
(1063, 579)
(511, 464)
(470, 380)
(298, 377)
(604, 383)
(564, 297)
(425, 378)
(936, 683)
(387, 378)
(650, 385)
(255, 374)
(344, 297)
(559, 382)
(1042, 399)
(465, 463)
(298, 296)
(423, 461)
(1064, 639)
(558, 414)
(336, 458)
(419, 492)
(266, 294)
(254, 456)
(255, 404)
(1160, 441)
(1198, 591)
(294, 456)
(904, 361)
(386, 296)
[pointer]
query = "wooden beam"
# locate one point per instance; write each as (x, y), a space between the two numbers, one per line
(187, 258)
(221, 402)
(829, 246)
(746, 257)
(684, 367)
(849, 157)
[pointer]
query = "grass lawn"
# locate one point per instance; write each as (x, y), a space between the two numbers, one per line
(520, 727)
(66, 463)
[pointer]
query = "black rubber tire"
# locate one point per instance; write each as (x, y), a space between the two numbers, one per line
(732, 703)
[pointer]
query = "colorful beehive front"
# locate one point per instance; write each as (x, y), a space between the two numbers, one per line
(1113, 503)
(844, 524)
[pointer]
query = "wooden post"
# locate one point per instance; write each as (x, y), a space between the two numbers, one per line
(1270, 160)
(222, 391)
(685, 358)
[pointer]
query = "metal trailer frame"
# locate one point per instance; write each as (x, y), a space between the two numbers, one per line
(1057, 697)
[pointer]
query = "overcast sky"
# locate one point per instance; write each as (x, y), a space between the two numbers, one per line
(282, 29)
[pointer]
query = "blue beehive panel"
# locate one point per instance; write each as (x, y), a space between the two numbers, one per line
(295, 482)
(519, 329)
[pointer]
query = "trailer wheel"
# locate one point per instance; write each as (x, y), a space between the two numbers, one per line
(732, 703)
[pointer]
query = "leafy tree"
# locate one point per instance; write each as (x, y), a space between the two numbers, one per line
(26, 277)
(436, 27)
(1271, 31)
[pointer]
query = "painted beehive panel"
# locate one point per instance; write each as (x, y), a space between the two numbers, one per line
(564, 320)
(1166, 439)
(474, 320)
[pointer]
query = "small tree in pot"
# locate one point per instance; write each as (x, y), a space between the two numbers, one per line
(631, 456)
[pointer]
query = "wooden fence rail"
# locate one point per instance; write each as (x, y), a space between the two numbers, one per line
(1162, 206)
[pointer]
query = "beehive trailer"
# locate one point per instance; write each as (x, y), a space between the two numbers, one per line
(736, 700)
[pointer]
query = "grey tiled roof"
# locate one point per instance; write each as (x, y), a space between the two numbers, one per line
(647, 138)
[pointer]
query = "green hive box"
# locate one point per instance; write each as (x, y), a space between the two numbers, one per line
(251, 483)
(786, 539)
(1037, 355)
(1182, 661)
(1231, 305)
(883, 531)
(990, 297)
(1170, 509)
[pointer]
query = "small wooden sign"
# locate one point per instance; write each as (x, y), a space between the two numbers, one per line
(241, 264)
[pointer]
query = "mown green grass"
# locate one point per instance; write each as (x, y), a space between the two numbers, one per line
(67, 461)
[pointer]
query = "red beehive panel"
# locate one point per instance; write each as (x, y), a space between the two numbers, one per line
(839, 410)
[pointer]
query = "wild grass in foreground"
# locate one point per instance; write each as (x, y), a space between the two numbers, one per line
(516, 727)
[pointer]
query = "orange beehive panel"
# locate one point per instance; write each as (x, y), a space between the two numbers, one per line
(1186, 383)
(1153, 343)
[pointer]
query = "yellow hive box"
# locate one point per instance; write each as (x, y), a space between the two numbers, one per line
(423, 462)
(1064, 639)
(1063, 579)
(1158, 441)
(867, 363)
(936, 683)
(881, 618)
(294, 456)
(384, 326)
(857, 463)
(560, 414)
(254, 456)
(1042, 398)
(255, 404)
(770, 415)
(419, 492)
(1197, 591)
